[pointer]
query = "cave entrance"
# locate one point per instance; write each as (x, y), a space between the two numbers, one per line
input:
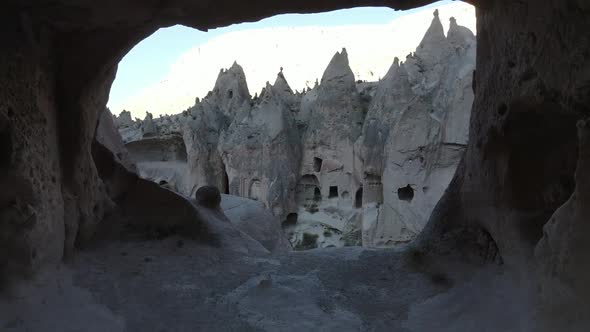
(405, 193)
(290, 220)
(540, 161)
(224, 181)
(358, 198)
(317, 194)
(215, 111)
(317, 164)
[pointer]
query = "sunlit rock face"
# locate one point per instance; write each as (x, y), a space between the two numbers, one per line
(415, 134)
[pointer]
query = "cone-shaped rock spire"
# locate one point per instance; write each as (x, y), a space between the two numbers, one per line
(338, 70)
(434, 36)
(459, 35)
(231, 89)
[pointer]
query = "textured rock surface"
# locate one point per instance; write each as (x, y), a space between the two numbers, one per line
(261, 150)
(416, 133)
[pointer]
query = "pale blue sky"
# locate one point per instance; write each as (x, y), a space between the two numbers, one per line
(149, 61)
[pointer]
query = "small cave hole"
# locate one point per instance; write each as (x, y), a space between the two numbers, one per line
(230, 94)
(317, 164)
(333, 192)
(358, 198)
(291, 220)
(405, 193)
(163, 183)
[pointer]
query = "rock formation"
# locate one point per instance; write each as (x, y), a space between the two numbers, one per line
(345, 163)
(416, 133)
(207, 120)
(261, 150)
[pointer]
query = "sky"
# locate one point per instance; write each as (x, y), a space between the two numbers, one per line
(166, 71)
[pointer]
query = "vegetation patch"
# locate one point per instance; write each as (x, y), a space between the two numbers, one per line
(353, 239)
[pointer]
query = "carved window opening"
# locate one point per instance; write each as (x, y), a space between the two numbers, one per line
(317, 164)
(405, 193)
(358, 198)
(225, 188)
(333, 192)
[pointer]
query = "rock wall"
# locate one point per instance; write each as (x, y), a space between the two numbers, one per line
(522, 171)
(261, 150)
(31, 201)
(416, 133)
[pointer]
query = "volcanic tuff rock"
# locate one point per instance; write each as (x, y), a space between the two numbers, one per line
(206, 122)
(416, 133)
(346, 162)
(261, 150)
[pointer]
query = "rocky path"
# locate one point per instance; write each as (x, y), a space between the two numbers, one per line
(177, 285)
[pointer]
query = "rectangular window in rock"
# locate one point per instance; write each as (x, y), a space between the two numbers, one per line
(333, 192)
(317, 164)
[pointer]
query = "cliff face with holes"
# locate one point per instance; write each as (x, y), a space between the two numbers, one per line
(415, 134)
(345, 163)
(261, 150)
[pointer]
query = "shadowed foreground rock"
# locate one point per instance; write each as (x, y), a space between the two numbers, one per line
(208, 196)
